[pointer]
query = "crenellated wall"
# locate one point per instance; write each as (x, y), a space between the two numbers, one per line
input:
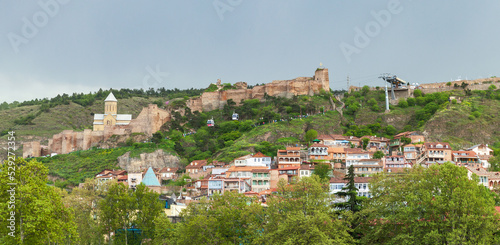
(148, 122)
(281, 88)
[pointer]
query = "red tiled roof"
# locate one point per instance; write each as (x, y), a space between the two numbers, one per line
(259, 154)
(260, 170)
(290, 168)
(356, 180)
(197, 164)
(293, 148)
(355, 150)
(432, 145)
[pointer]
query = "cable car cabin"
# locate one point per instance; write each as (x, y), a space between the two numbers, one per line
(210, 122)
(235, 117)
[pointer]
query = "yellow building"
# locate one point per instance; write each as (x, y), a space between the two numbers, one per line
(110, 116)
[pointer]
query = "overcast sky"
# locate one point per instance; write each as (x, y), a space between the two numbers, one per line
(51, 47)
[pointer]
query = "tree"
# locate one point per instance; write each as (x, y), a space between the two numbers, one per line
(148, 209)
(40, 216)
(390, 130)
(365, 142)
(116, 210)
(378, 155)
(405, 140)
(310, 135)
(230, 218)
(364, 90)
(300, 214)
(164, 232)
(448, 84)
(494, 164)
(436, 205)
(83, 200)
(322, 170)
(350, 193)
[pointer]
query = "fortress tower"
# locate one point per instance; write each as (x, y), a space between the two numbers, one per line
(321, 75)
(110, 116)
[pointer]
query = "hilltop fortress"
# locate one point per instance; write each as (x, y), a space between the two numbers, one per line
(281, 88)
(105, 125)
(152, 118)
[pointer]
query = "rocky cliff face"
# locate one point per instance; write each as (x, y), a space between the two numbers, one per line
(157, 159)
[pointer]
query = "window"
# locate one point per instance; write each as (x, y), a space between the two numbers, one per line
(254, 175)
(254, 182)
(260, 174)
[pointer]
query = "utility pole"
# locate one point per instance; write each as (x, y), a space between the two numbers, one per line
(348, 83)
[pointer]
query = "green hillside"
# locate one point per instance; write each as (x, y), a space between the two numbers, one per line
(264, 126)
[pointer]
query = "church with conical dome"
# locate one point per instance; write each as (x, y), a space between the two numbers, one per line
(110, 116)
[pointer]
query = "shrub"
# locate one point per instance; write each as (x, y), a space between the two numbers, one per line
(403, 103)
(454, 101)
(471, 117)
(476, 114)
(448, 84)
(417, 93)
(411, 101)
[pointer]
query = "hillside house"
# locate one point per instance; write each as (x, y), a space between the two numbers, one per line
(362, 183)
(318, 152)
(195, 166)
(397, 161)
(354, 155)
(466, 159)
(335, 140)
(291, 174)
(261, 180)
(368, 167)
(168, 173)
(481, 149)
(107, 175)
(437, 152)
(482, 173)
(306, 170)
(377, 142)
(257, 160)
(289, 157)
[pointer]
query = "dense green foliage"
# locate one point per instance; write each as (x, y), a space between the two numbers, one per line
(38, 211)
(350, 193)
(436, 205)
(86, 164)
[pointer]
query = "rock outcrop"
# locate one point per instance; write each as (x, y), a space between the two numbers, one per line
(157, 159)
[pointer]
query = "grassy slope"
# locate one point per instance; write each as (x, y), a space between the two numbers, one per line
(292, 130)
(454, 125)
(59, 118)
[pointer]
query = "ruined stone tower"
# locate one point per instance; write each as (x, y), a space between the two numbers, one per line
(321, 75)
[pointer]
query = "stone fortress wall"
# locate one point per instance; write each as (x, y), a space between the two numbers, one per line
(478, 84)
(148, 122)
(152, 118)
(282, 88)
